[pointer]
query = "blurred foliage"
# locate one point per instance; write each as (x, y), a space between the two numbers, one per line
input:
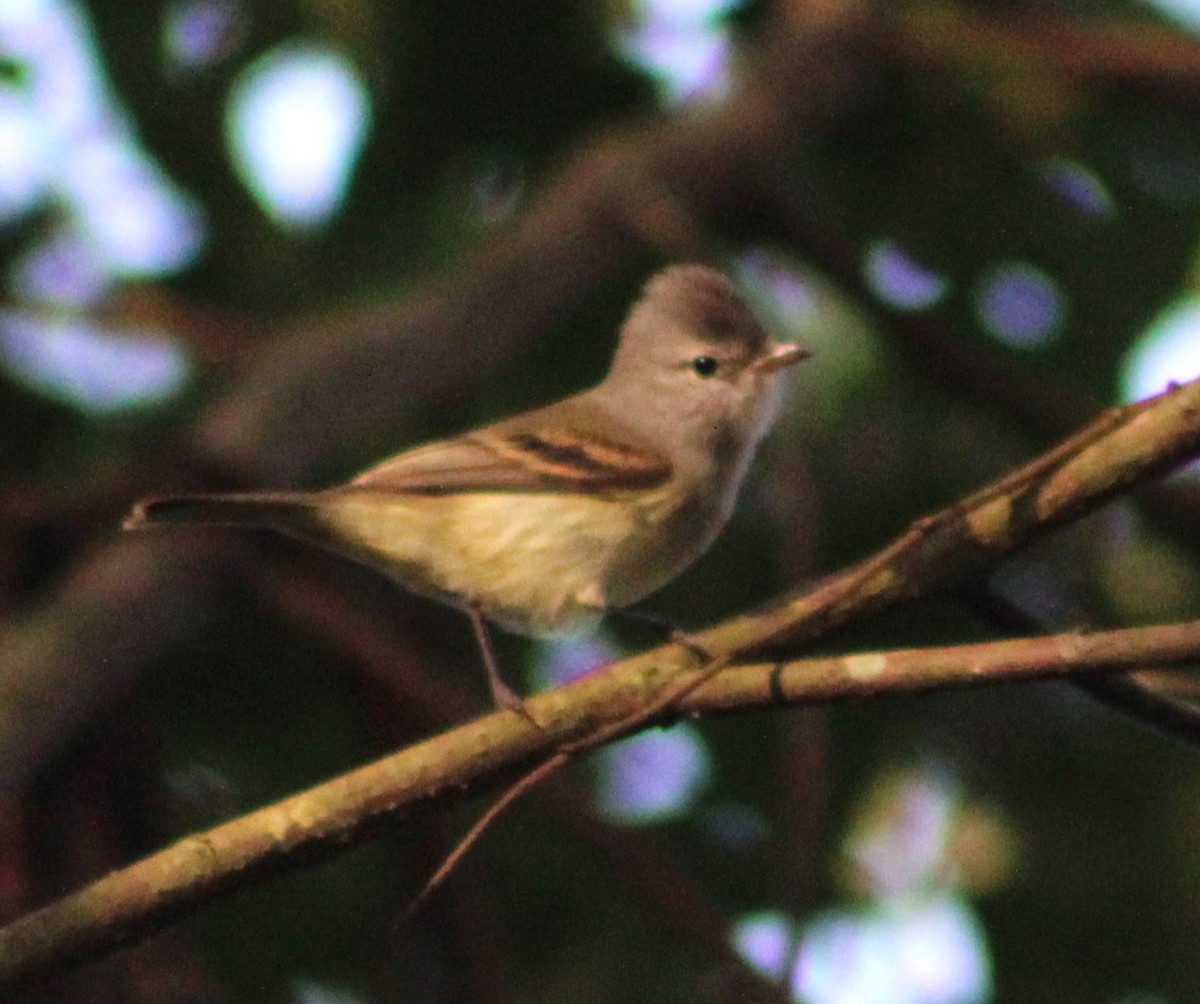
(1102, 899)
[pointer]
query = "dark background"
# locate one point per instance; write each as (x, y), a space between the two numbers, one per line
(1034, 169)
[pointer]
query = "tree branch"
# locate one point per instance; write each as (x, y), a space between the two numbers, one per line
(1119, 449)
(1129, 695)
(1122, 447)
(143, 897)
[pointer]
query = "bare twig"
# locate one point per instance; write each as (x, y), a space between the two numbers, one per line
(385, 657)
(1181, 685)
(987, 520)
(1118, 449)
(1131, 695)
(147, 895)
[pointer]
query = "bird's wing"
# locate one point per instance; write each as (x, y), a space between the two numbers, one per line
(524, 455)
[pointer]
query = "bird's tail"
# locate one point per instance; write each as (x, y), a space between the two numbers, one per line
(285, 512)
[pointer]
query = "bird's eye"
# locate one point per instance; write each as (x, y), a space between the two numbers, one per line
(704, 366)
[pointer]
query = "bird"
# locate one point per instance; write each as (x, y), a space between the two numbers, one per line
(544, 522)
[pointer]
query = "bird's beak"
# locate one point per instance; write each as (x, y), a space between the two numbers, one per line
(782, 356)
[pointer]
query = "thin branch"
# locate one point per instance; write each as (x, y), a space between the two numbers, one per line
(1130, 695)
(385, 658)
(807, 681)
(146, 895)
(1119, 449)
(1110, 453)
(1180, 684)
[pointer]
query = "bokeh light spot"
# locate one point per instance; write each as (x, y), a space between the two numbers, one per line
(198, 33)
(62, 269)
(901, 843)
(765, 940)
(684, 46)
(899, 280)
(136, 222)
(910, 937)
(1185, 13)
(296, 121)
(1079, 186)
(686, 12)
(23, 153)
(559, 661)
(773, 280)
(653, 776)
(926, 951)
(67, 150)
(1020, 305)
(92, 369)
(1168, 351)
(66, 144)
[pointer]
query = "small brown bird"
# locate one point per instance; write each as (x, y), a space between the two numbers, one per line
(545, 521)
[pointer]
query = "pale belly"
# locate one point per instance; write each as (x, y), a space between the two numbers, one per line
(537, 564)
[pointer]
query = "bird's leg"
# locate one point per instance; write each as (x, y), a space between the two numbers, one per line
(502, 694)
(657, 622)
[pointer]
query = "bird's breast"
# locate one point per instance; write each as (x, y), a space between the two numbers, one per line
(537, 563)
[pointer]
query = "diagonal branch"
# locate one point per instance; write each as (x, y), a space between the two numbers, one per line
(145, 896)
(383, 658)
(1130, 695)
(1121, 448)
